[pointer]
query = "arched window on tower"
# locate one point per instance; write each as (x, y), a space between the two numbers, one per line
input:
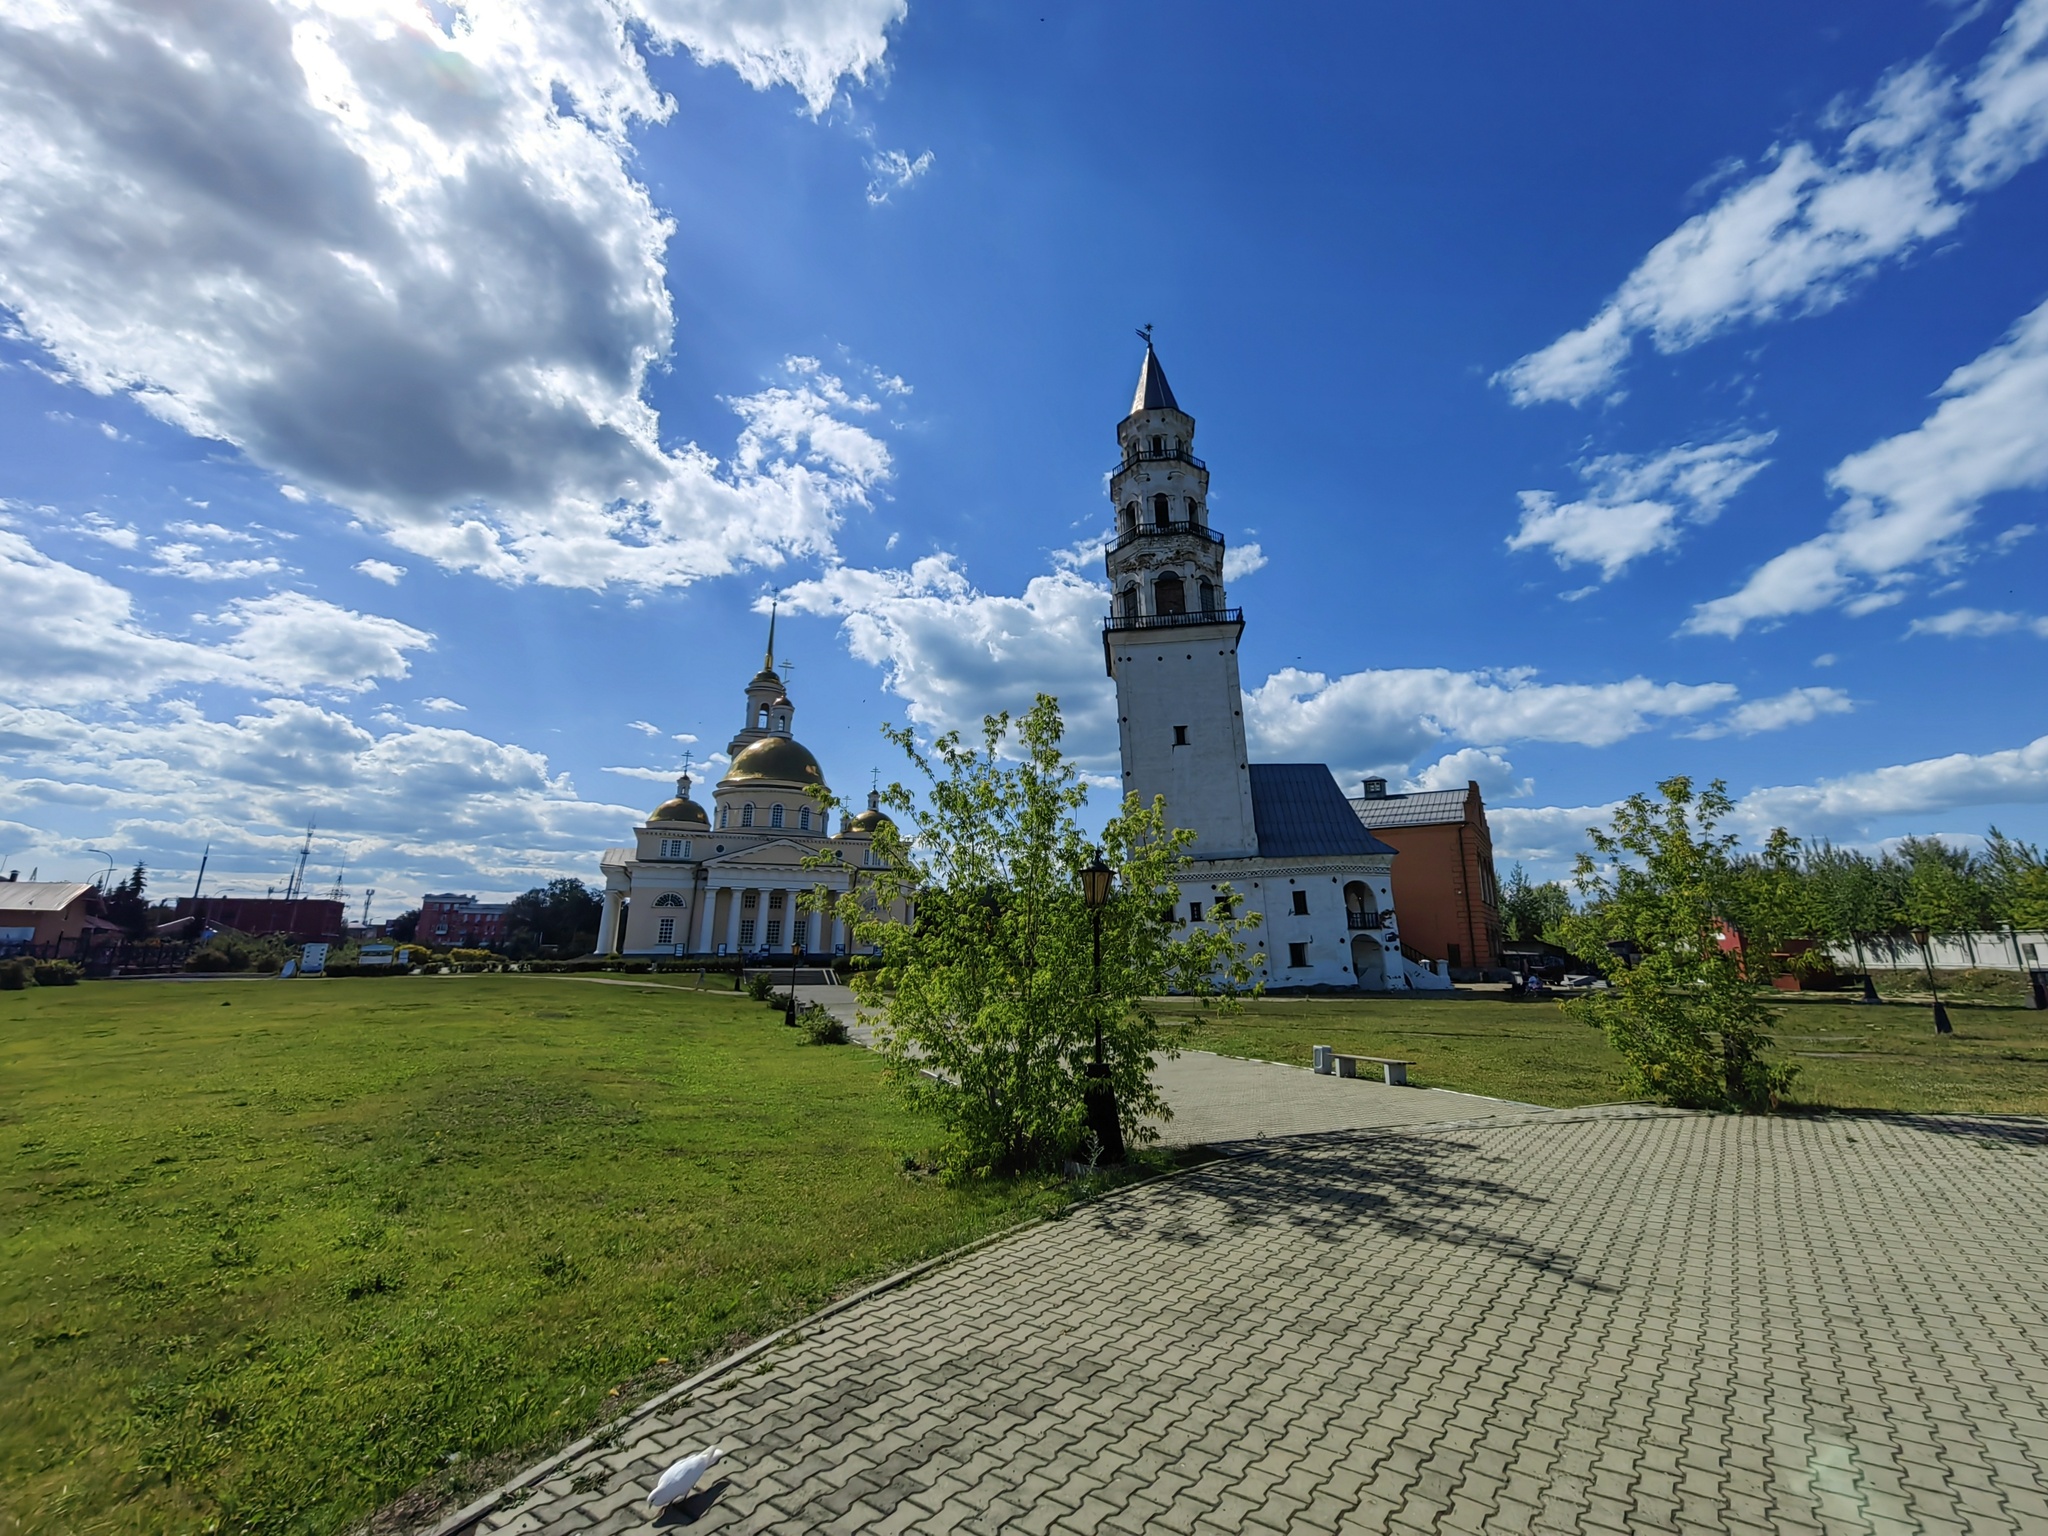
(761, 719)
(1208, 591)
(1162, 511)
(747, 814)
(723, 812)
(1195, 513)
(1129, 519)
(1158, 445)
(781, 723)
(774, 815)
(803, 819)
(1127, 600)
(1168, 596)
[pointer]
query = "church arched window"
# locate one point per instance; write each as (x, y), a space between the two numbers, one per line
(761, 719)
(803, 819)
(1208, 596)
(747, 814)
(668, 899)
(724, 812)
(1162, 511)
(774, 815)
(1168, 596)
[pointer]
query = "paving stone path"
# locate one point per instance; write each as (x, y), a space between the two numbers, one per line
(1618, 1320)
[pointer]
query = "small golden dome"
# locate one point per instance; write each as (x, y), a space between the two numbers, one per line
(775, 760)
(863, 824)
(682, 808)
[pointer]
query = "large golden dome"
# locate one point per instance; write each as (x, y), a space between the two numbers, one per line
(775, 760)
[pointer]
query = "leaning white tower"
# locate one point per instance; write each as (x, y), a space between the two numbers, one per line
(1170, 641)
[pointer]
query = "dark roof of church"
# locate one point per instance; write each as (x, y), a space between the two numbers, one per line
(1154, 393)
(1300, 812)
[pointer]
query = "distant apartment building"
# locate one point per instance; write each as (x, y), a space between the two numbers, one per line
(453, 921)
(1444, 886)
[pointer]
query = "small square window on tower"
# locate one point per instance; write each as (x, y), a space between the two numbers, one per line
(1180, 735)
(1301, 903)
(1297, 956)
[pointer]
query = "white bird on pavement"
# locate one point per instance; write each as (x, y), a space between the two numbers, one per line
(679, 1479)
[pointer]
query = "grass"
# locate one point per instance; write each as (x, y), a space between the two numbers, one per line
(272, 1253)
(1849, 1056)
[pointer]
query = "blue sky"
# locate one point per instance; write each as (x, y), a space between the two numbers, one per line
(410, 409)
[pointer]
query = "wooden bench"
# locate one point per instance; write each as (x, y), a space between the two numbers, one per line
(1344, 1064)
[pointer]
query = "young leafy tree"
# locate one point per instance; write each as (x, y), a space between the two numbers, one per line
(2018, 877)
(1693, 1029)
(1770, 902)
(985, 1000)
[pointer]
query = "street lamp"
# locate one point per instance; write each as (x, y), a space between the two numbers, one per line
(796, 948)
(1941, 1024)
(1097, 882)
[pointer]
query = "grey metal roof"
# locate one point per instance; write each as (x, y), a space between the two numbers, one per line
(1424, 808)
(1154, 393)
(1300, 812)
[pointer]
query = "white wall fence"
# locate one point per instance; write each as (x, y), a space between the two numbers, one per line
(1995, 951)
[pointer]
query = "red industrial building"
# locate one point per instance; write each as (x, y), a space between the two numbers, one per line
(452, 921)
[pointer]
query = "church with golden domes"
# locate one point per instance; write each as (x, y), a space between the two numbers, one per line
(726, 881)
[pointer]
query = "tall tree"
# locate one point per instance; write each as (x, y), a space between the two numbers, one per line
(1531, 912)
(986, 1001)
(1692, 1027)
(125, 905)
(2018, 876)
(560, 917)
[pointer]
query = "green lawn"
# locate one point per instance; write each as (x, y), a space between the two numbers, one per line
(273, 1252)
(1849, 1056)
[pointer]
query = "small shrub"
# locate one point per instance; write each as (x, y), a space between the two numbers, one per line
(57, 973)
(760, 986)
(471, 956)
(17, 974)
(820, 1027)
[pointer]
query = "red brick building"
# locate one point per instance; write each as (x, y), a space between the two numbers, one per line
(452, 921)
(1444, 888)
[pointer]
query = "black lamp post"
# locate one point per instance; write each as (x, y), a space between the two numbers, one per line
(1097, 881)
(1941, 1024)
(796, 948)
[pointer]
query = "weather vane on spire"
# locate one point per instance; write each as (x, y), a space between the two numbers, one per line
(1145, 332)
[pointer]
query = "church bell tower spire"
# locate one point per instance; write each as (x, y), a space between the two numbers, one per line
(1170, 641)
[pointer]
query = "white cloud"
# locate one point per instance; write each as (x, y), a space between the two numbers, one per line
(651, 775)
(75, 637)
(404, 265)
(1799, 237)
(891, 171)
(644, 727)
(1639, 504)
(107, 531)
(1911, 497)
(381, 570)
(1959, 622)
(407, 809)
(441, 706)
(190, 562)
(1491, 770)
(1242, 560)
(1799, 706)
(1852, 802)
(1374, 719)
(213, 531)
(954, 653)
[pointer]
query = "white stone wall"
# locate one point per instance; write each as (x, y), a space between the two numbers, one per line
(2022, 951)
(1180, 682)
(1267, 886)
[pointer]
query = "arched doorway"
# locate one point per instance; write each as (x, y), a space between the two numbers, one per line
(1168, 596)
(1369, 963)
(1358, 907)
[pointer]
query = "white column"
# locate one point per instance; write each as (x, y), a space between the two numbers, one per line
(608, 924)
(732, 923)
(708, 895)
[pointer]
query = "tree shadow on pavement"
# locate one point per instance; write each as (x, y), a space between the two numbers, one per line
(2005, 1130)
(1425, 1188)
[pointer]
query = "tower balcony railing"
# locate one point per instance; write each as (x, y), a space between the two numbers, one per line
(1356, 920)
(1178, 455)
(1172, 620)
(1186, 529)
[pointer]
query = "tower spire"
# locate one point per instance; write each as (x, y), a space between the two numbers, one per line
(768, 661)
(1154, 393)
